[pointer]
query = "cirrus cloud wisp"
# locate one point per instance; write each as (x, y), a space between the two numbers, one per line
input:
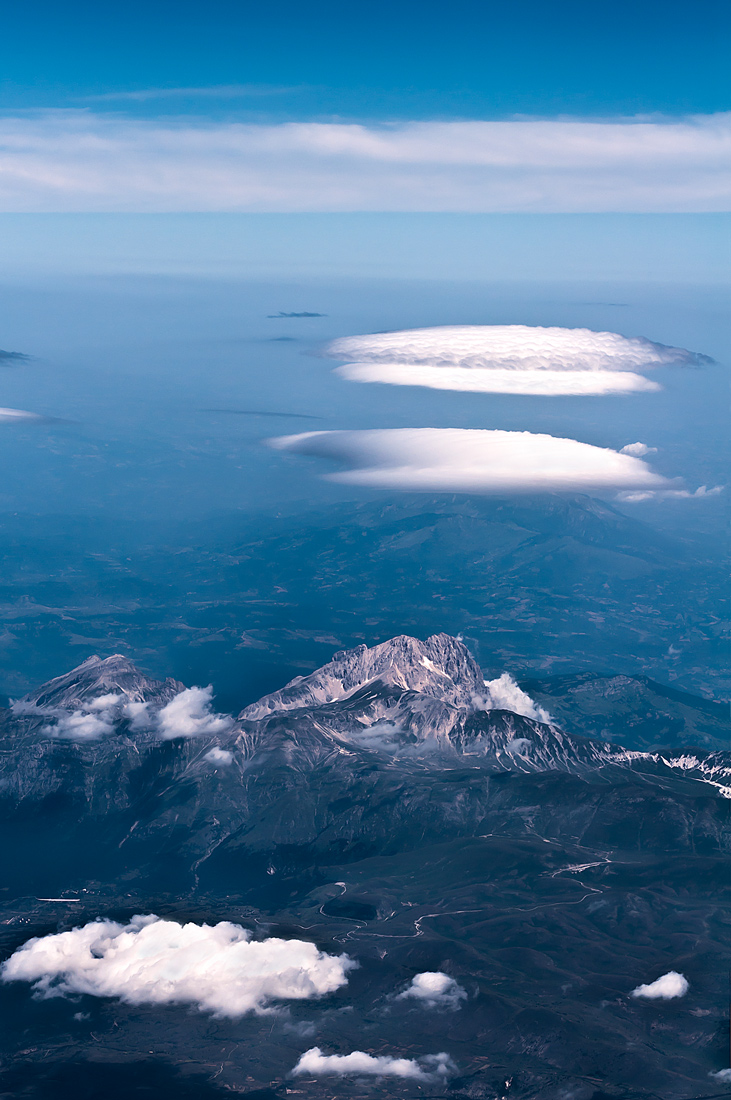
(78, 160)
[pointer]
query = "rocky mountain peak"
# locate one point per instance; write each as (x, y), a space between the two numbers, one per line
(441, 666)
(98, 676)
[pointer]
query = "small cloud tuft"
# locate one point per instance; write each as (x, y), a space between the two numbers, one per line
(639, 450)
(434, 989)
(219, 757)
(432, 1067)
(504, 694)
(665, 988)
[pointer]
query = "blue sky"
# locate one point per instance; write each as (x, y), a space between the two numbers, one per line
(368, 111)
(373, 60)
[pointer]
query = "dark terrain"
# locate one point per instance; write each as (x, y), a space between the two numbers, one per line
(376, 807)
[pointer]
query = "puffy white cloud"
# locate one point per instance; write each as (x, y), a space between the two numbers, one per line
(665, 988)
(639, 450)
(510, 348)
(472, 461)
(722, 1075)
(433, 989)
(547, 383)
(190, 714)
(219, 757)
(504, 694)
(218, 968)
(314, 1063)
(13, 416)
(78, 160)
(79, 725)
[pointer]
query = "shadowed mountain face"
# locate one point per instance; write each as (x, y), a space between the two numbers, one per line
(386, 806)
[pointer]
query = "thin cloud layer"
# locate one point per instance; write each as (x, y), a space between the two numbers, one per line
(14, 416)
(519, 359)
(433, 989)
(665, 988)
(546, 383)
(217, 968)
(472, 461)
(313, 1063)
(76, 160)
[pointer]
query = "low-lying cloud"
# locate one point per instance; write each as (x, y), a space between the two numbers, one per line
(434, 989)
(219, 757)
(78, 160)
(665, 988)
(504, 694)
(519, 359)
(472, 461)
(432, 1067)
(190, 714)
(218, 968)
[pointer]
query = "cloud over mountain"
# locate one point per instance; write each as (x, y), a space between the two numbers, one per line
(218, 968)
(433, 989)
(472, 460)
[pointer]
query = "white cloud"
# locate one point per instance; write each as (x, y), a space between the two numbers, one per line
(722, 1075)
(519, 359)
(510, 347)
(476, 380)
(12, 416)
(639, 450)
(472, 460)
(665, 988)
(429, 1068)
(219, 757)
(218, 967)
(504, 694)
(189, 714)
(77, 160)
(633, 497)
(433, 989)
(79, 725)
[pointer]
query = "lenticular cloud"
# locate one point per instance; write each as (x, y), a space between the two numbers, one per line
(152, 961)
(472, 461)
(506, 359)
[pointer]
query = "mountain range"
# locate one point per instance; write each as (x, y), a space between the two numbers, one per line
(401, 805)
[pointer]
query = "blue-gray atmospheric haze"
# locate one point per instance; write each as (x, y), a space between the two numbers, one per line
(143, 514)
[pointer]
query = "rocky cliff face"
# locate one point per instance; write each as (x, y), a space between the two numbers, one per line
(440, 667)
